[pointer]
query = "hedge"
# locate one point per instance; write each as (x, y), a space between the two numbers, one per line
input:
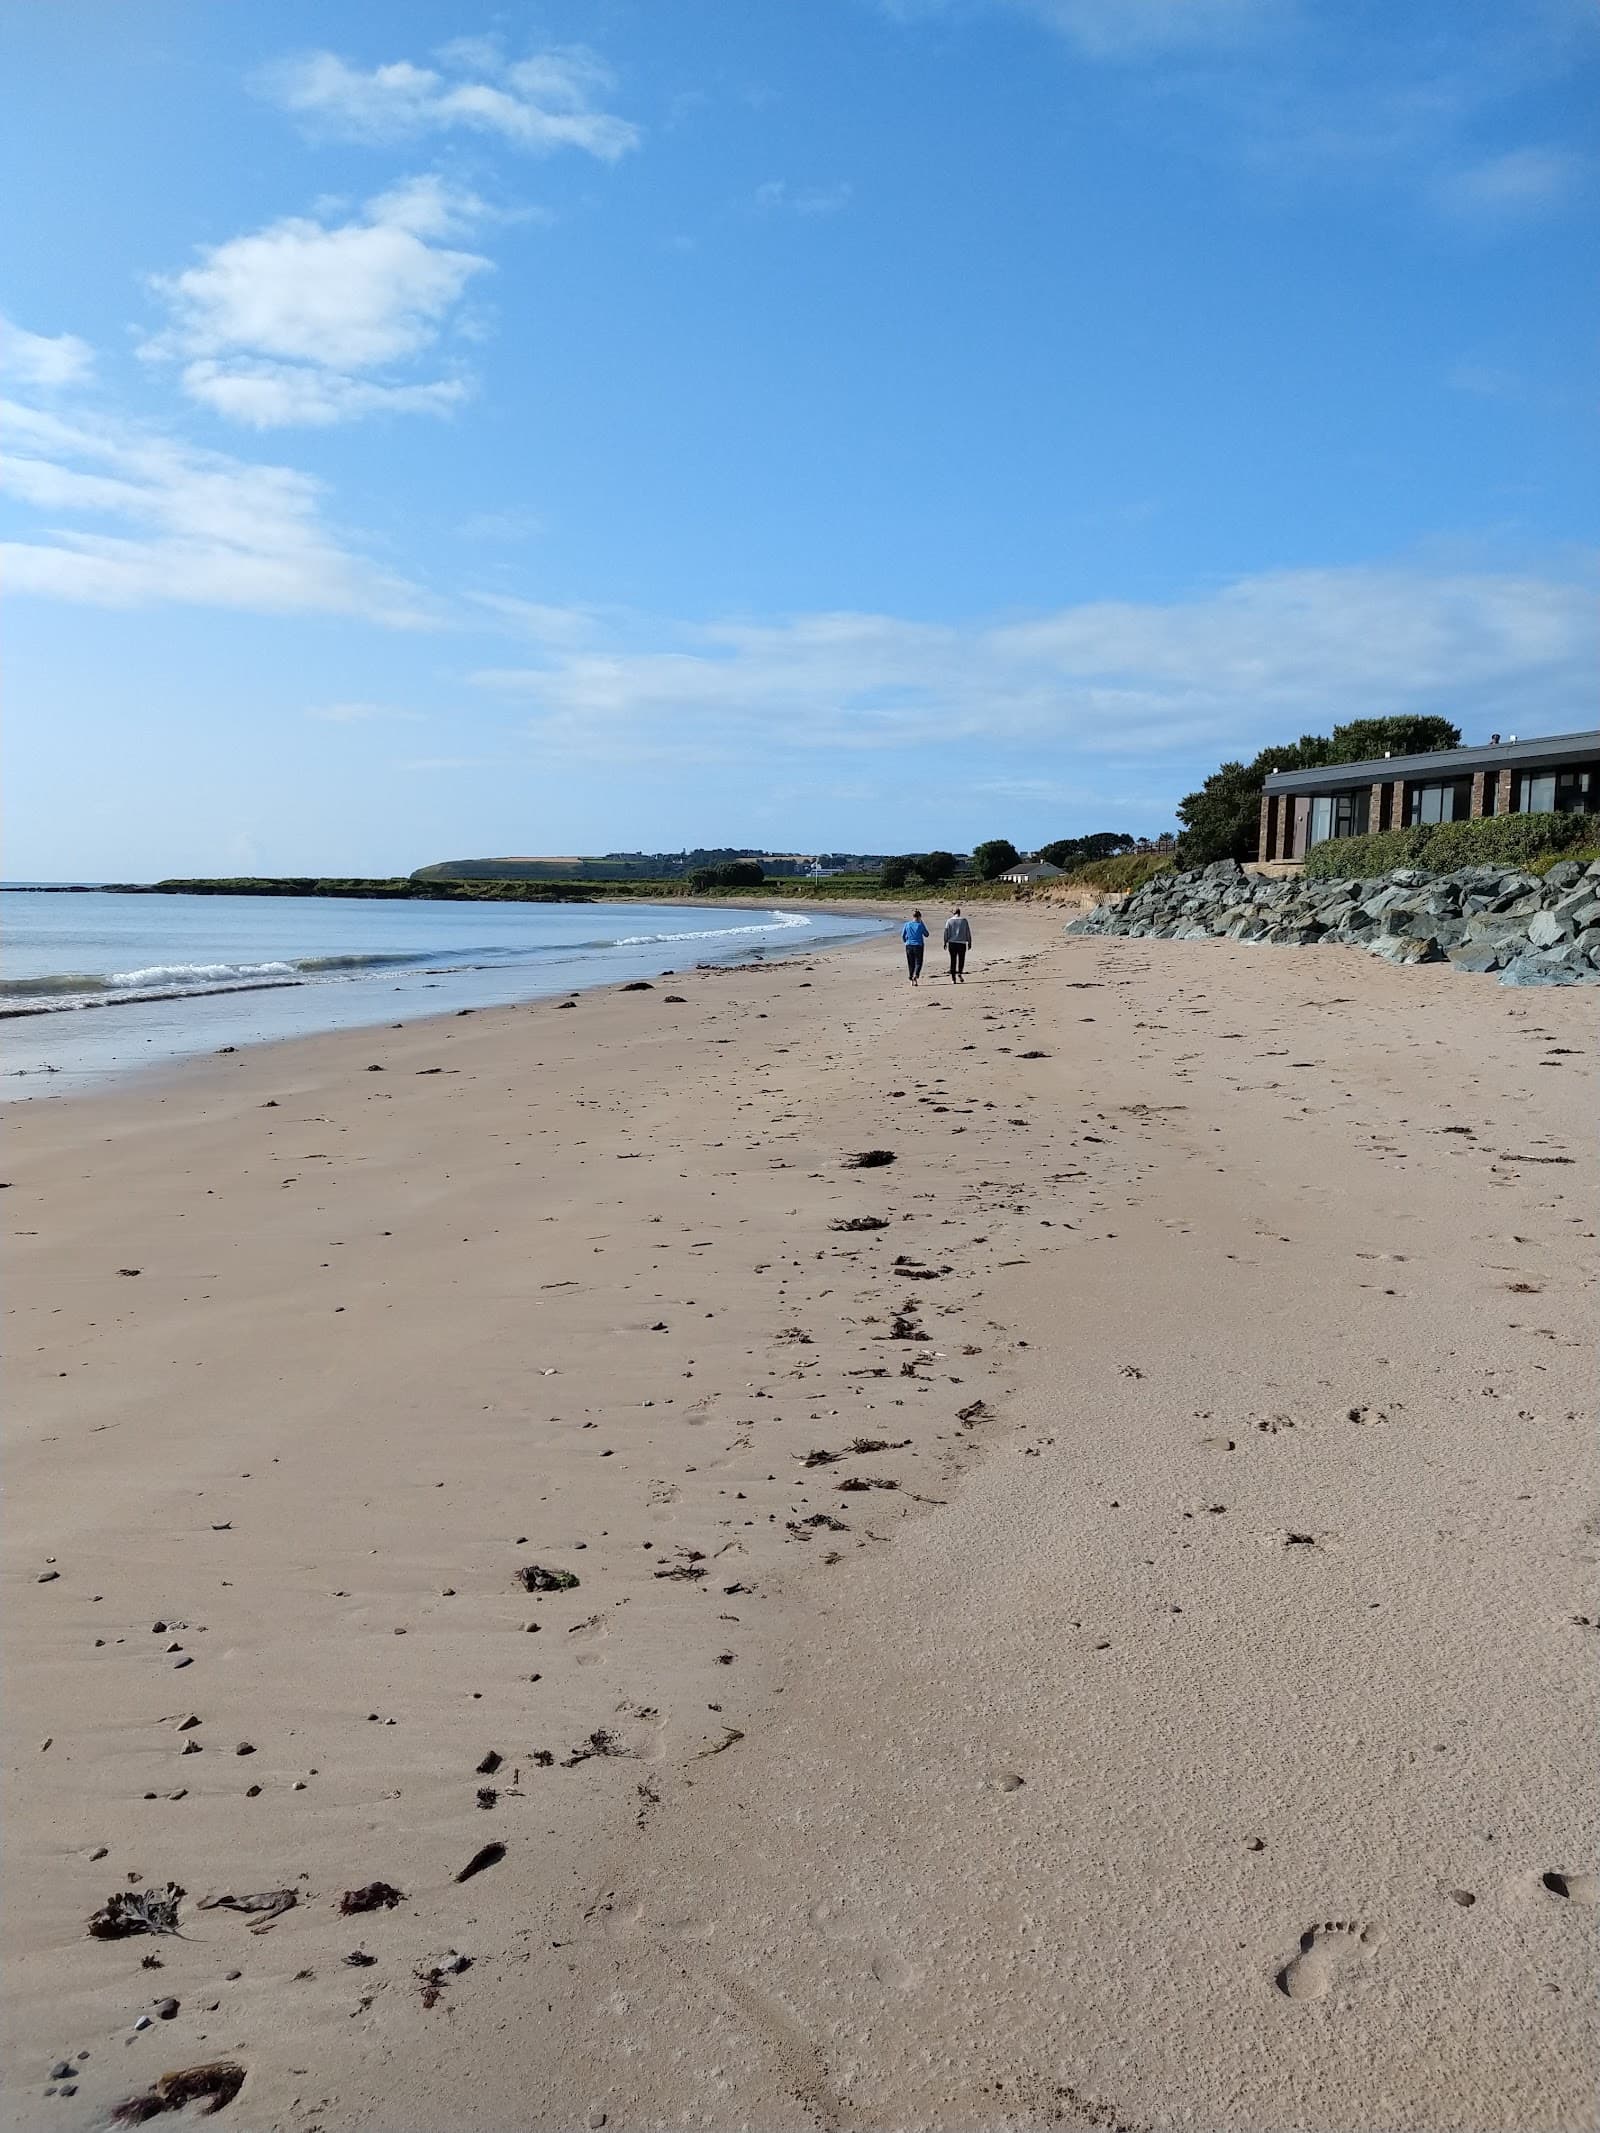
(1510, 840)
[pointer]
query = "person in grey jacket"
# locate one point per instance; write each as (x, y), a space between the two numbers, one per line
(958, 939)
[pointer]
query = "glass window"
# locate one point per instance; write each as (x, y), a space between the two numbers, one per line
(1350, 814)
(1539, 794)
(1339, 814)
(1577, 792)
(1452, 802)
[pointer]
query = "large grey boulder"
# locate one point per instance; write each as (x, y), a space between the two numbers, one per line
(1481, 955)
(1548, 929)
(1407, 948)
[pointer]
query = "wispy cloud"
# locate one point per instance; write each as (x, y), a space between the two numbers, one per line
(777, 196)
(287, 324)
(1511, 187)
(1258, 659)
(1485, 381)
(544, 103)
(1122, 29)
(360, 714)
(42, 360)
(207, 530)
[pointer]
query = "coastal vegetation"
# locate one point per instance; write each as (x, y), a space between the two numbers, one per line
(1530, 841)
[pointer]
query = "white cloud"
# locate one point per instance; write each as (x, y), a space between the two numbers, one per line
(1263, 658)
(270, 396)
(541, 104)
(274, 324)
(208, 530)
(40, 359)
(360, 293)
(1524, 181)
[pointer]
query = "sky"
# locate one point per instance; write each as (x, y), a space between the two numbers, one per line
(804, 424)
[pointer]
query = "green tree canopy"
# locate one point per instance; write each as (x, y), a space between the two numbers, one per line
(895, 873)
(1070, 851)
(1361, 739)
(990, 859)
(935, 867)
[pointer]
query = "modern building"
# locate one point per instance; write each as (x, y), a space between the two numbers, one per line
(1030, 871)
(1559, 774)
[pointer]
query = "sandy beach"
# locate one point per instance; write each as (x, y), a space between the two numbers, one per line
(1089, 1623)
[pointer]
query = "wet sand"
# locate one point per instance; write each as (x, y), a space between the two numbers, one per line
(1180, 1716)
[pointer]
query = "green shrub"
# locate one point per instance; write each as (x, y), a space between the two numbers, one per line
(1115, 877)
(1359, 858)
(1505, 840)
(1585, 855)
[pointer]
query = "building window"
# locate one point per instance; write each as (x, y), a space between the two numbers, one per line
(1558, 792)
(1427, 804)
(1339, 814)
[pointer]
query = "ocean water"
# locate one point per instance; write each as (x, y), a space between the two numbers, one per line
(95, 986)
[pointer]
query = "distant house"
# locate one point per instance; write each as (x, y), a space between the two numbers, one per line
(1559, 774)
(1029, 871)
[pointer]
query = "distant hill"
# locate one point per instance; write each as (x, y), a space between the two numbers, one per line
(643, 866)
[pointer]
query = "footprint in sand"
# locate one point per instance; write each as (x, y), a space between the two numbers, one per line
(1326, 1951)
(1575, 1888)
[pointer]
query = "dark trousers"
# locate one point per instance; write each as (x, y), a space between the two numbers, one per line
(958, 961)
(913, 961)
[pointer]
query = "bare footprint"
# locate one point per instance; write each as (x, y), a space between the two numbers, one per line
(1326, 1951)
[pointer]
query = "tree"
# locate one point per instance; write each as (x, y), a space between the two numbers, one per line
(935, 867)
(733, 874)
(990, 859)
(1069, 851)
(1223, 819)
(895, 873)
(1365, 739)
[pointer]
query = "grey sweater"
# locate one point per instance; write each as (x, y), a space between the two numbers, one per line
(957, 933)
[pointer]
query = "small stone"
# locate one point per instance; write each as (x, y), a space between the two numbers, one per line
(166, 2009)
(63, 2070)
(245, 1747)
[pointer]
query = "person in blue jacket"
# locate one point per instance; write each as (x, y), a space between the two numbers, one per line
(915, 934)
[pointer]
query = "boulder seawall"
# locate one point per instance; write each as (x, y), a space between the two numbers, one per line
(1527, 929)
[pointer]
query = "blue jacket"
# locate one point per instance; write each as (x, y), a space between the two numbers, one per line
(913, 933)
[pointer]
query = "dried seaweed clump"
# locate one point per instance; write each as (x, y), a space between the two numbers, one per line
(132, 1911)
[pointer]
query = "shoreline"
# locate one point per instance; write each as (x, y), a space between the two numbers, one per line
(43, 1019)
(570, 1292)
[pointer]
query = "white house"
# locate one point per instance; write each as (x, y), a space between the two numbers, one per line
(1030, 871)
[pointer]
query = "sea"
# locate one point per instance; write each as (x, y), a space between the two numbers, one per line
(96, 986)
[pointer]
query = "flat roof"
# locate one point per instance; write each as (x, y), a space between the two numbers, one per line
(1441, 762)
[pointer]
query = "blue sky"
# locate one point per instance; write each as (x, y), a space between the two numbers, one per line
(857, 423)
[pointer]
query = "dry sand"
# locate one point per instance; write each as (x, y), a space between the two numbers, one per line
(1190, 1727)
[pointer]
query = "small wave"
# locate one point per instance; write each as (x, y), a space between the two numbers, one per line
(82, 1002)
(780, 921)
(176, 976)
